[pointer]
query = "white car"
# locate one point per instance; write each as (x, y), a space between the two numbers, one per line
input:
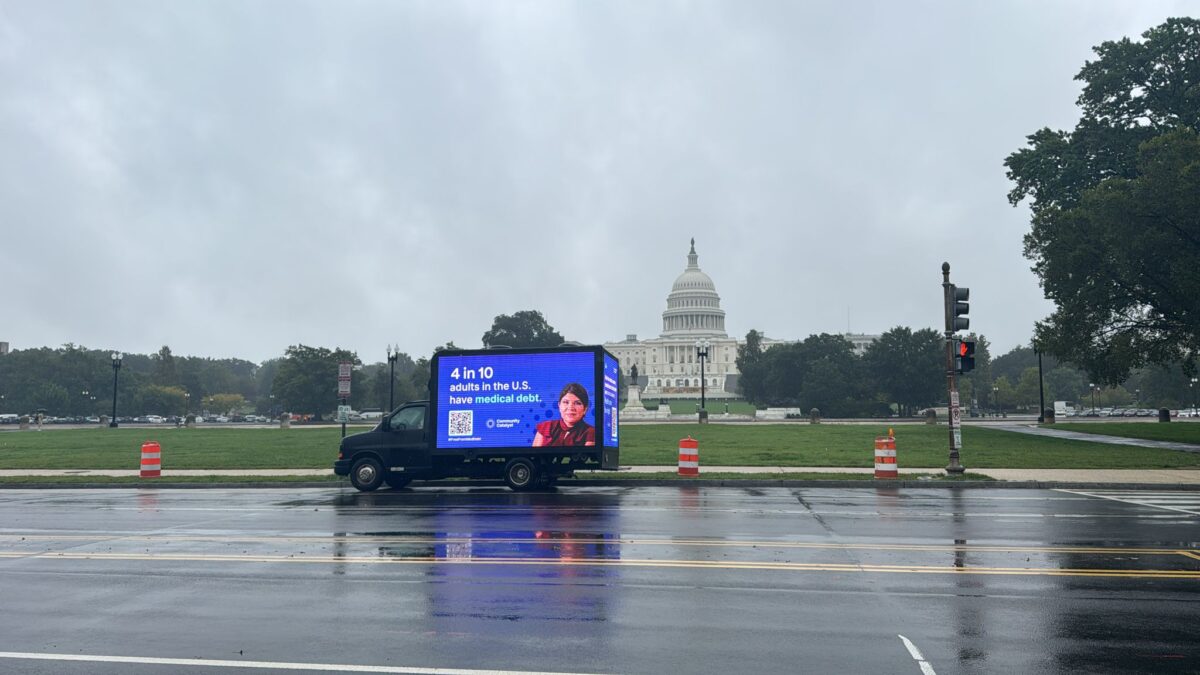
(155, 419)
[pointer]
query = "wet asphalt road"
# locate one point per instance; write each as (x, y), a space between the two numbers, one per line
(600, 580)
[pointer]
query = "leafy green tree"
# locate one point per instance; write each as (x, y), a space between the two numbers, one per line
(749, 363)
(51, 397)
(221, 404)
(1065, 384)
(306, 380)
(165, 374)
(1115, 236)
(909, 367)
(1002, 395)
(1026, 394)
(376, 391)
(527, 328)
(160, 400)
(821, 372)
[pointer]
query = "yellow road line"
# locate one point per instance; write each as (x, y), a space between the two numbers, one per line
(604, 562)
(724, 543)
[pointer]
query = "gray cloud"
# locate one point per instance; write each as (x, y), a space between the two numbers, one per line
(229, 178)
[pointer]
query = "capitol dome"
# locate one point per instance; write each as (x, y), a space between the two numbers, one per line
(693, 306)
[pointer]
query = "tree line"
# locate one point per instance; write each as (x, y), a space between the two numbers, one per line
(904, 371)
(73, 380)
(900, 373)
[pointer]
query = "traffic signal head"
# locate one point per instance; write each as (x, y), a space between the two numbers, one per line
(964, 355)
(959, 308)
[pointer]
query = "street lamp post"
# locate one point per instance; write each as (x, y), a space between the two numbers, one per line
(392, 355)
(187, 404)
(1041, 391)
(996, 400)
(116, 364)
(702, 354)
(1192, 386)
(84, 394)
(1092, 386)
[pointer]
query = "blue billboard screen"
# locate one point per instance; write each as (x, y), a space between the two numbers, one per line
(612, 399)
(499, 400)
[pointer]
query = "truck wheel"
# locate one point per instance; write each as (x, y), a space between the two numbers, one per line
(396, 482)
(366, 474)
(520, 474)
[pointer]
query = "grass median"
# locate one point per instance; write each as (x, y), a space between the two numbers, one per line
(824, 445)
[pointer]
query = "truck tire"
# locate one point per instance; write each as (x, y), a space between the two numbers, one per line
(396, 481)
(520, 474)
(366, 474)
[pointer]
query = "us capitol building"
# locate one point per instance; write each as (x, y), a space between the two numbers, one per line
(668, 366)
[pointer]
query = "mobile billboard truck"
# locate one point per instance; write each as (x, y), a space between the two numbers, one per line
(528, 416)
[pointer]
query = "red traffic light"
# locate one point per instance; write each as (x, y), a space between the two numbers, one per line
(964, 355)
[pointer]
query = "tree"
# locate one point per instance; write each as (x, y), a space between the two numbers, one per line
(306, 379)
(160, 400)
(820, 372)
(749, 364)
(1115, 236)
(223, 403)
(165, 373)
(1026, 393)
(1002, 395)
(909, 368)
(526, 328)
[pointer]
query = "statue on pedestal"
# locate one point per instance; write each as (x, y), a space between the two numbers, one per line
(634, 400)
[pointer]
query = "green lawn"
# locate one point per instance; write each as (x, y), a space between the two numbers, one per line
(919, 446)
(181, 448)
(1177, 432)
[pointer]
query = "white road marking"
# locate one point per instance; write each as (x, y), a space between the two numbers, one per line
(1169, 501)
(916, 654)
(276, 665)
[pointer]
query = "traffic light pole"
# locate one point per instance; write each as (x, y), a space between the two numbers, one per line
(955, 466)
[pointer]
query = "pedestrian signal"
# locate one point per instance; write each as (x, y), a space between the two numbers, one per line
(964, 355)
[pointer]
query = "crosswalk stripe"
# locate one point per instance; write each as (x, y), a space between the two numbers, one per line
(1181, 502)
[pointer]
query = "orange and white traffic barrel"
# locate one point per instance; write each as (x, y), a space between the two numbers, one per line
(689, 457)
(151, 460)
(885, 457)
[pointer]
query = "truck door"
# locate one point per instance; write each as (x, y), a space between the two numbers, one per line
(406, 443)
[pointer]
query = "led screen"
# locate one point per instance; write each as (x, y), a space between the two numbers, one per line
(612, 373)
(499, 400)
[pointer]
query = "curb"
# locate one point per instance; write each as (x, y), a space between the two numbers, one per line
(649, 482)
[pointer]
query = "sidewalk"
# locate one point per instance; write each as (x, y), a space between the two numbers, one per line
(1099, 476)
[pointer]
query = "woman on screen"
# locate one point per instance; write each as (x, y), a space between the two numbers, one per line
(569, 429)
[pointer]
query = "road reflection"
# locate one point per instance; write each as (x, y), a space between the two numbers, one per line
(494, 556)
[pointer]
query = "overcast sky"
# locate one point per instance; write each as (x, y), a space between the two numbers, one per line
(230, 178)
